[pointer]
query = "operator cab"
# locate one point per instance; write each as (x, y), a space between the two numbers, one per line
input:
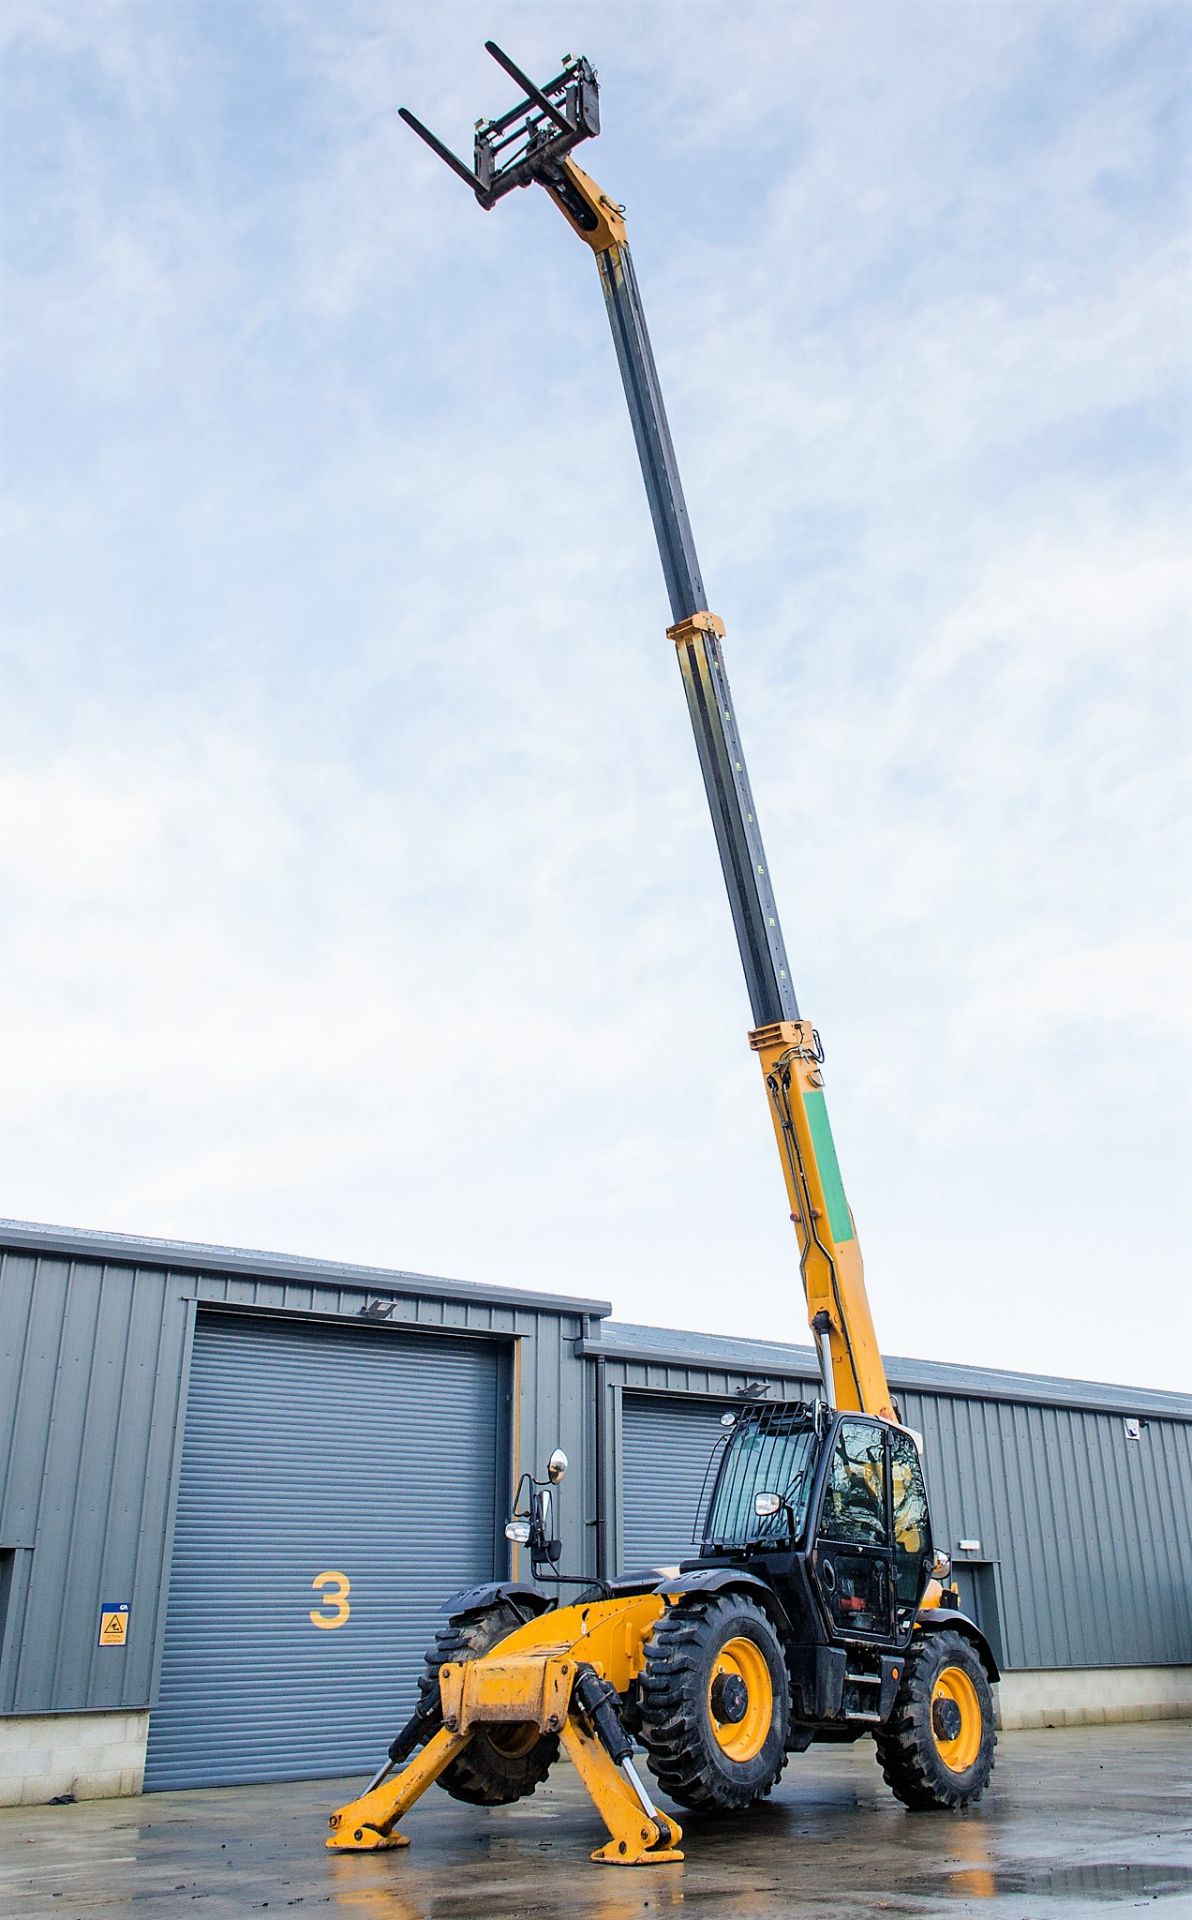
(838, 1498)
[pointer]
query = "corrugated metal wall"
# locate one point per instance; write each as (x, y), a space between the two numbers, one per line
(91, 1370)
(1089, 1533)
(1086, 1535)
(94, 1350)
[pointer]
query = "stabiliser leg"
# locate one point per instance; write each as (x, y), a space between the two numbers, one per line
(600, 1750)
(563, 1673)
(637, 1839)
(371, 1821)
(602, 1754)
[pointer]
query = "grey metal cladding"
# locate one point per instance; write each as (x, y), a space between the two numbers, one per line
(669, 1347)
(1090, 1533)
(93, 1375)
(94, 1350)
(192, 1256)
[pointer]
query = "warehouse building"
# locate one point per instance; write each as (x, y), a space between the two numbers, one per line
(235, 1487)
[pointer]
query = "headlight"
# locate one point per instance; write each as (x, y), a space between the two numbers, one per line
(518, 1531)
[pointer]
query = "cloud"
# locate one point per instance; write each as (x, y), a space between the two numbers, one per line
(359, 893)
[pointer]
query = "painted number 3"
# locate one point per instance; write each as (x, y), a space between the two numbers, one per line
(335, 1588)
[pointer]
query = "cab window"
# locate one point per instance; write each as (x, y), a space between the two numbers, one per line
(912, 1527)
(854, 1507)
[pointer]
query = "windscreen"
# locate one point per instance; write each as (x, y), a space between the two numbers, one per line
(771, 1451)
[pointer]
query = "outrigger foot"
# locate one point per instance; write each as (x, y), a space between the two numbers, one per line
(366, 1839)
(371, 1822)
(658, 1842)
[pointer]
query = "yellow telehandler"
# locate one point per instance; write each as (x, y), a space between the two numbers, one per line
(817, 1607)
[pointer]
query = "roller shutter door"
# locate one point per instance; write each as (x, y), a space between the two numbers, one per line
(363, 1458)
(666, 1444)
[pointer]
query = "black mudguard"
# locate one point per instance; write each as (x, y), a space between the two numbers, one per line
(525, 1600)
(938, 1619)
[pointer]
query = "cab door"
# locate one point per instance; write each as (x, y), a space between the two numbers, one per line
(913, 1552)
(853, 1558)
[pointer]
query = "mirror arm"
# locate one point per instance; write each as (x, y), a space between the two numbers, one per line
(538, 1515)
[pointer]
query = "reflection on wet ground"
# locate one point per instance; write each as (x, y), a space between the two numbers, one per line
(1119, 1880)
(1078, 1821)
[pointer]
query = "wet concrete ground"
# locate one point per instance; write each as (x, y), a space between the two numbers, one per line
(1077, 1822)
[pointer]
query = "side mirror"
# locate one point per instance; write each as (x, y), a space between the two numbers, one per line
(531, 1523)
(767, 1504)
(941, 1565)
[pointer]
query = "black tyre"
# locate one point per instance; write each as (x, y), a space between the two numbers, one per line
(715, 1702)
(936, 1749)
(500, 1764)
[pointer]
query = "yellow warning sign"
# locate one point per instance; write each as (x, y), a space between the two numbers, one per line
(113, 1625)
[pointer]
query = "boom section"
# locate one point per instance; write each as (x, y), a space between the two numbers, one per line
(697, 635)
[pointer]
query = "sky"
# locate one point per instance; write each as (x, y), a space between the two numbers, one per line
(357, 894)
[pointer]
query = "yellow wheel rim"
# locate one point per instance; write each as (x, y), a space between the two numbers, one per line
(742, 1739)
(954, 1694)
(514, 1738)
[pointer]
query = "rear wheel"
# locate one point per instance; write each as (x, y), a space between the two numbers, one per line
(501, 1763)
(936, 1750)
(715, 1702)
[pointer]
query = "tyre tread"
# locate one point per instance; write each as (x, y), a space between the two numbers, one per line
(471, 1776)
(670, 1691)
(905, 1746)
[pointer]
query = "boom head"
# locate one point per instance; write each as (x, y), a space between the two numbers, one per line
(528, 143)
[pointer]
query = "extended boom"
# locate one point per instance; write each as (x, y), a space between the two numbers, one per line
(531, 145)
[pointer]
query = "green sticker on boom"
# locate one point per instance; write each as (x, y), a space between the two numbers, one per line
(839, 1218)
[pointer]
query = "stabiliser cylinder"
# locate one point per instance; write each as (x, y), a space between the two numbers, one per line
(418, 1729)
(597, 1701)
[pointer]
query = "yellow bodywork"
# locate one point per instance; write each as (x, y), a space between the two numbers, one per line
(526, 1681)
(829, 1251)
(608, 216)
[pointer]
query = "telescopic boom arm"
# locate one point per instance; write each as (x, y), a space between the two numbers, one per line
(531, 145)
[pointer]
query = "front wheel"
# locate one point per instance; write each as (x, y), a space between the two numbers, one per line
(936, 1749)
(715, 1702)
